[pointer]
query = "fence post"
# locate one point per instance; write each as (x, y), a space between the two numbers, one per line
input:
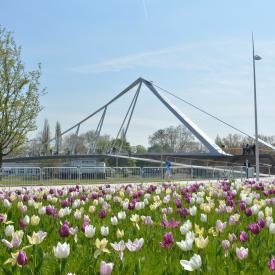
(40, 175)
(78, 174)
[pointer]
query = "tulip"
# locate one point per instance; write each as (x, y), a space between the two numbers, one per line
(89, 231)
(15, 241)
(254, 228)
(6, 203)
(119, 247)
(101, 247)
(193, 210)
(35, 220)
(232, 237)
(186, 227)
(42, 210)
(9, 230)
(3, 218)
(171, 224)
(120, 234)
(114, 220)
(242, 253)
(22, 258)
(121, 215)
(201, 242)
(167, 240)
(203, 218)
(61, 251)
(64, 230)
(193, 264)
(186, 245)
(104, 230)
(243, 237)
(136, 245)
(148, 220)
(106, 268)
(102, 213)
(272, 228)
(226, 246)
(220, 226)
(248, 212)
(26, 220)
(92, 209)
(37, 238)
(271, 264)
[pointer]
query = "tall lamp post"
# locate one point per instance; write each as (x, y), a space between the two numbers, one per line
(256, 57)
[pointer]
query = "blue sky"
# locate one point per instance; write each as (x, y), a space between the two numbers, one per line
(200, 50)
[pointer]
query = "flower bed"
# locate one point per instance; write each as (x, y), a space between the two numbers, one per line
(209, 228)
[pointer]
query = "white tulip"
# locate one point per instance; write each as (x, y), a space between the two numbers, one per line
(9, 230)
(61, 251)
(104, 230)
(26, 219)
(203, 218)
(260, 215)
(121, 215)
(114, 220)
(272, 228)
(268, 221)
(190, 235)
(255, 209)
(185, 227)
(125, 205)
(6, 203)
(42, 210)
(194, 263)
(89, 231)
(185, 245)
(193, 210)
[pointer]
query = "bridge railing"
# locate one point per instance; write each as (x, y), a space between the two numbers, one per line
(73, 175)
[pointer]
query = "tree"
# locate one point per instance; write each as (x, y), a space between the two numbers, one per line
(173, 139)
(45, 138)
(19, 96)
(58, 137)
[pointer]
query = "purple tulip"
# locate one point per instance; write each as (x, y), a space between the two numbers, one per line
(131, 205)
(102, 213)
(183, 212)
(254, 228)
(49, 210)
(171, 224)
(261, 223)
(64, 230)
(22, 223)
(22, 258)
(64, 203)
(243, 237)
(2, 218)
(67, 223)
(248, 212)
(178, 203)
(242, 206)
(271, 264)
(167, 240)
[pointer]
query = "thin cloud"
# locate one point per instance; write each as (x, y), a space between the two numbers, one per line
(187, 56)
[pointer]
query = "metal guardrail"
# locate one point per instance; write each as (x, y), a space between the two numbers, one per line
(13, 175)
(72, 175)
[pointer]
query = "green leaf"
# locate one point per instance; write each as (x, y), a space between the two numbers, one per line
(39, 259)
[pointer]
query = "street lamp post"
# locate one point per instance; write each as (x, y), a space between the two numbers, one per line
(256, 57)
